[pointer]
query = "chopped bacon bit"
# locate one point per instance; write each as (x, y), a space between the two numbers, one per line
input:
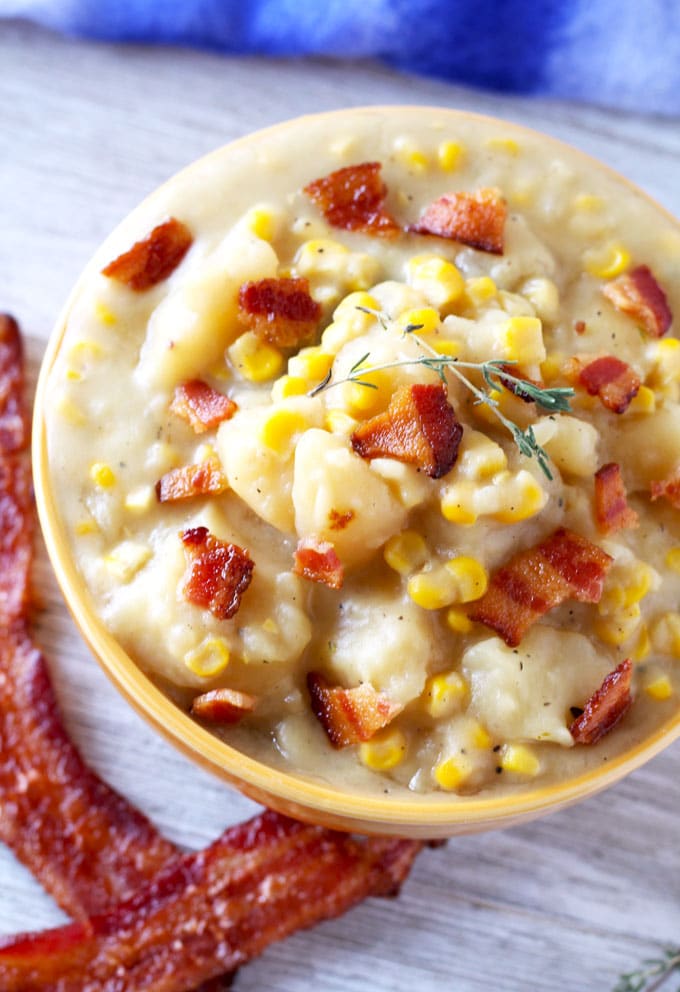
(211, 911)
(606, 706)
(475, 219)
(189, 481)
(13, 427)
(612, 380)
(611, 505)
(222, 705)
(669, 489)
(353, 199)
(565, 566)
(152, 259)
(349, 716)
(419, 427)
(579, 327)
(218, 573)
(638, 294)
(202, 406)
(338, 520)
(280, 311)
(317, 561)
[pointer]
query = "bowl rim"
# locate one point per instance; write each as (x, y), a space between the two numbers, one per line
(288, 791)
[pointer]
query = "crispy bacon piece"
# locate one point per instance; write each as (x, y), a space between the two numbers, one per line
(669, 489)
(607, 377)
(280, 311)
(339, 520)
(349, 716)
(203, 407)
(189, 481)
(211, 911)
(152, 259)
(419, 427)
(580, 327)
(222, 705)
(13, 429)
(638, 294)
(606, 706)
(218, 573)
(317, 561)
(475, 219)
(564, 566)
(611, 505)
(353, 199)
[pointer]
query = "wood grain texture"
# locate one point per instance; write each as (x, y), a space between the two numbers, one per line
(85, 132)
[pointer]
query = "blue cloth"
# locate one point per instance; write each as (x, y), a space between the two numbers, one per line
(620, 53)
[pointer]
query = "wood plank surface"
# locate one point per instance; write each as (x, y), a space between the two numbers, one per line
(86, 131)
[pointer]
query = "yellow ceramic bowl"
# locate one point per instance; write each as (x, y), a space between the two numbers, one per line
(287, 792)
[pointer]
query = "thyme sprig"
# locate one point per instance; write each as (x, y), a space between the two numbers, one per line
(652, 975)
(494, 372)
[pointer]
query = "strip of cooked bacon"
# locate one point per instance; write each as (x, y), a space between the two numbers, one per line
(189, 481)
(317, 561)
(218, 573)
(203, 407)
(611, 505)
(419, 427)
(349, 716)
(475, 219)
(564, 566)
(153, 258)
(280, 311)
(211, 911)
(13, 428)
(613, 381)
(606, 706)
(353, 198)
(638, 294)
(222, 705)
(669, 489)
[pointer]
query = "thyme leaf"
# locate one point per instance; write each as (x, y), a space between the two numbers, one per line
(652, 975)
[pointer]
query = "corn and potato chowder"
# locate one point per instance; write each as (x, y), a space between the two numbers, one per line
(365, 434)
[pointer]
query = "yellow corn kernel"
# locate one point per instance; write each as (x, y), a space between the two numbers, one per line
(348, 309)
(126, 559)
(551, 366)
(270, 626)
(480, 457)
(102, 475)
(606, 262)
(410, 155)
(70, 411)
(642, 579)
(279, 429)
(444, 694)
(433, 589)
(520, 760)
(507, 145)
(450, 155)
(659, 688)
(643, 644)
(479, 290)
(310, 363)
(673, 559)
(73, 375)
(253, 359)
(458, 621)
(643, 402)
(544, 297)
(88, 526)
(451, 773)
(424, 320)
(666, 356)
(523, 196)
(363, 401)
(385, 750)
(588, 203)
(480, 736)
(288, 385)
(620, 627)
(262, 222)
(104, 315)
(321, 255)
(208, 659)
(523, 340)
(470, 576)
(161, 457)
(448, 347)
(665, 634)
(139, 500)
(457, 504)
(526, 498)
(439, 281)
(337, 422)
(405, 552)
